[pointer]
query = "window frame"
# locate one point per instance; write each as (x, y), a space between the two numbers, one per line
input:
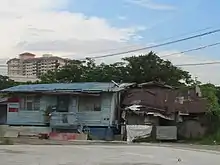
(82, 100)
(66, 100)
(33, 100)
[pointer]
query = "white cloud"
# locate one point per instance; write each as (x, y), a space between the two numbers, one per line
(38, 25)
(151, 5)
(45, 26)
(205, 73)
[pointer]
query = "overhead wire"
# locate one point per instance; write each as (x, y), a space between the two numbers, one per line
(163, 44)
(199, 64)
(157, 45)
(195, 49)
(164, 39)
(191, 50)
(186, 51)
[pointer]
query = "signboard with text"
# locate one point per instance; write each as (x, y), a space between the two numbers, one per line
(13, 107)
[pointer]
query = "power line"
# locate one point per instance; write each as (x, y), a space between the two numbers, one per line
(201, 63)
(184, 34)
(158, 45)
(191, 50)
(185, 51)
(164, 39)
(163, 44)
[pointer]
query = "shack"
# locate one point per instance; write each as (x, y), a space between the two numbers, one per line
(90, 107)
(167, 111)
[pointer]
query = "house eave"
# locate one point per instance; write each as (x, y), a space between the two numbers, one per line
(58, 92)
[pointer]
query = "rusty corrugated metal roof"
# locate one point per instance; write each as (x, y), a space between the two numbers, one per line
(164, 98)
(154, 83)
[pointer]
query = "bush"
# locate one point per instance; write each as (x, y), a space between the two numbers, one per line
(213, 139)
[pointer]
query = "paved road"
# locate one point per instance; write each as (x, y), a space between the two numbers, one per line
(104, 155)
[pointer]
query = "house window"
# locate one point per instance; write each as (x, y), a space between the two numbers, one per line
(63, 103)
(89, 103)
(30, 103)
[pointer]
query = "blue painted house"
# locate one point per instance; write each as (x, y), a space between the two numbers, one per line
(67, 107)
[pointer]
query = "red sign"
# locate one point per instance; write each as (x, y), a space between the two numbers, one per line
(12, 109)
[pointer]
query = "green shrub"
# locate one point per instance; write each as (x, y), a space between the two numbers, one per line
(213, 139)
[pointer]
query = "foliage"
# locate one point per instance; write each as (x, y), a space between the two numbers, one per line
(218, 93)
(5, 82)
(210, 92)
(213, 139)
(138, 69)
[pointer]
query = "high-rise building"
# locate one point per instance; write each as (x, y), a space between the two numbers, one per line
(29, 68)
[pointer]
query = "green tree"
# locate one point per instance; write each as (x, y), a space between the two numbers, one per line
(138, 69)
(218, 93)
(5, 82)
(209, 91)
(150, 67)
(49, 77)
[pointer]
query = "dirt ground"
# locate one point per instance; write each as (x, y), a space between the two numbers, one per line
(36, 141)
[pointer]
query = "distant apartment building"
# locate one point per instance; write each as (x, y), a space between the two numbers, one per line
(30, 68)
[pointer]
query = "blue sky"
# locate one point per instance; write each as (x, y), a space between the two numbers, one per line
(75, 28)
(162, 19)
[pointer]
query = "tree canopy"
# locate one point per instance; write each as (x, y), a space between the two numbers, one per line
(5, 82)
(210, 91)
(138, 69)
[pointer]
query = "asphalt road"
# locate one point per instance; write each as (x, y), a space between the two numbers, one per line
(104, 155)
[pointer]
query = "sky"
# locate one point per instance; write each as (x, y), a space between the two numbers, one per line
(86, 28)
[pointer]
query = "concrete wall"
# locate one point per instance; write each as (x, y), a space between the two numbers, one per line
(14, 131)
(191, 129)
(3, 130)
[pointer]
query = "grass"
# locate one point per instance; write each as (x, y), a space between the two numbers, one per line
(211, 139)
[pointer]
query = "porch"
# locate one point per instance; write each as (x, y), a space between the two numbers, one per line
(83, 110)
